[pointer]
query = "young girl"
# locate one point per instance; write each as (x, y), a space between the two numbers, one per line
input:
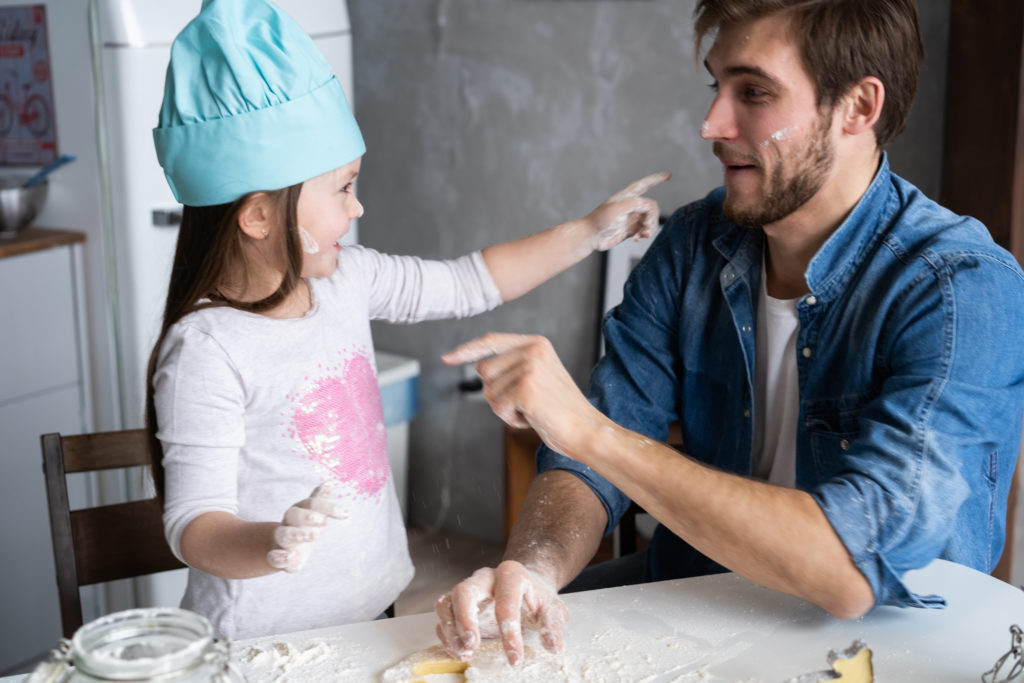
(263, 408)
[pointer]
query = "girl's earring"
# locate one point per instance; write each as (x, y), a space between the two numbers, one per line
(266, 233)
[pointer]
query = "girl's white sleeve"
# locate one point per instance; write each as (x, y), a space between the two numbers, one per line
(200, 426)
(408, 289)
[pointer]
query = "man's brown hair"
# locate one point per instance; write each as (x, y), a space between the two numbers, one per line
(841, 42)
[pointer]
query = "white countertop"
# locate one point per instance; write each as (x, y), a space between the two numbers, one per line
(714, 628)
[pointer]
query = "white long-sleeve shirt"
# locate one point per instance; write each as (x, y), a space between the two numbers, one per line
(253, 412)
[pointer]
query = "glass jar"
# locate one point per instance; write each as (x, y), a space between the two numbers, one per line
(149, 644)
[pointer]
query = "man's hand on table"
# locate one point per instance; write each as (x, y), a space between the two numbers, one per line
(526, 385)
(499, 602)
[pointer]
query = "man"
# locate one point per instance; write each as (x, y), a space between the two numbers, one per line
(843, 356)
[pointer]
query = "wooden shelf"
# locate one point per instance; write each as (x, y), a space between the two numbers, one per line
(37, 239)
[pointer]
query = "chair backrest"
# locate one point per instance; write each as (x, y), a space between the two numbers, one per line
(104, 543)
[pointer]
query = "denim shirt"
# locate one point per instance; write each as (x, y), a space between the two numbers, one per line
(910, 361)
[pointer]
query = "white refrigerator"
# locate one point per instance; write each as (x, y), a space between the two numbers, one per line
(108, 60)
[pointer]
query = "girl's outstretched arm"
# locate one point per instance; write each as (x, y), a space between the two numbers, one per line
(520, 265)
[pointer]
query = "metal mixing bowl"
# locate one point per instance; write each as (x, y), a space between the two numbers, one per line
(19, 205)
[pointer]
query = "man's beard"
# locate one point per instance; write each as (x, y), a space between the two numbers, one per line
(786, 195)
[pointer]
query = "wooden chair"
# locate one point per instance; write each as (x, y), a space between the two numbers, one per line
(104, 543)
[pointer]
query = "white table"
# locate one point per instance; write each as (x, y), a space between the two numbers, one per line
(715, 628)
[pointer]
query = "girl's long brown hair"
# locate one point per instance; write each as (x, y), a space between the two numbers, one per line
(211, 245)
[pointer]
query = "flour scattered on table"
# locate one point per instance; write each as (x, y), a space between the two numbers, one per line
(285, 656)
(317, 659)
(612, 656)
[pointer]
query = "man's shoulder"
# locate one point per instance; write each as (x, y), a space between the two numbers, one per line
(923, 227)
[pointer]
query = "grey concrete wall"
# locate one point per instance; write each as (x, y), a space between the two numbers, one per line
(486, 120)
(917, 153)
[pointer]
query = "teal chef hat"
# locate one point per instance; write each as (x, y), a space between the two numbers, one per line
(249, 104)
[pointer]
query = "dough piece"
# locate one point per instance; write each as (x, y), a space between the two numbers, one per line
(852, 665)
(856, 667)
(424, 666)
(433, 665)
(442, 664)
(490, 663)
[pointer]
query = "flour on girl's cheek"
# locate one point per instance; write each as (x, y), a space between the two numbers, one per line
(339, 422)
(309, 244)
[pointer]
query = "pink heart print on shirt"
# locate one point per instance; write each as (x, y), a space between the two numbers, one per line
(340, 422)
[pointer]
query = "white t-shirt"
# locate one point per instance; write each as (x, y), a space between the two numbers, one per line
(776, 390)
(254, 412)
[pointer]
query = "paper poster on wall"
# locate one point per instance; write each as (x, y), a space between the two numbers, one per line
(28, 127)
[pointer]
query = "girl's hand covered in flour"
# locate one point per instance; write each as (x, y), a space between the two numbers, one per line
(520, 265)
(500, 602)
(625, 214)
(301, 525)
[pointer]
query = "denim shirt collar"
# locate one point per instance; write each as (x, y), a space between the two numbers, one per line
(740, 247)
(830, 270)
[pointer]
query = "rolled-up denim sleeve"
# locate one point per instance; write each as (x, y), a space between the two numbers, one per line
(942, 433)
(634, 383)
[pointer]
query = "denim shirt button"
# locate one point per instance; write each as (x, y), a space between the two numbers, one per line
(746, 328)
(811, 300)
(746, 413)
(845, 444)
(806, 352)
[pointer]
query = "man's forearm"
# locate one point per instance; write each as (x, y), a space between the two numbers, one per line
(775, 536)
(559, 528)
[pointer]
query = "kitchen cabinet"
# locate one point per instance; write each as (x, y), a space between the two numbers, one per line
(43, 388)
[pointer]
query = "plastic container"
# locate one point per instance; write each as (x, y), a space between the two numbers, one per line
(398, 378)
